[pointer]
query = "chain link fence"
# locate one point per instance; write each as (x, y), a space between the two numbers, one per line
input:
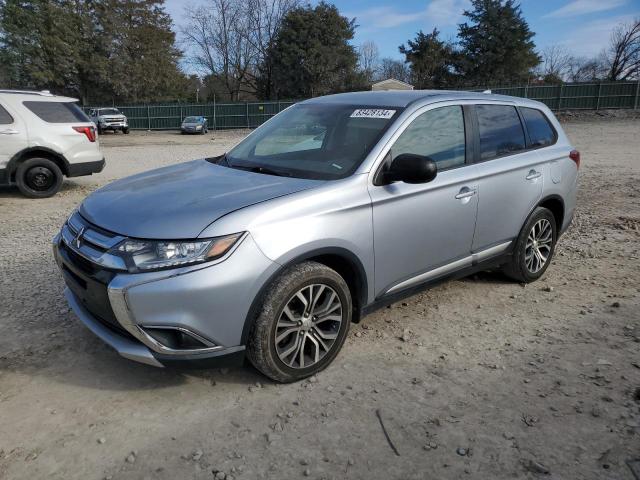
(567, 96)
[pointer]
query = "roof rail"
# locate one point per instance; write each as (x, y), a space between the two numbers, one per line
(42, 93)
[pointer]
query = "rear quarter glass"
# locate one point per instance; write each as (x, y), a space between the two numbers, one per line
(57, 112)
(5, 117)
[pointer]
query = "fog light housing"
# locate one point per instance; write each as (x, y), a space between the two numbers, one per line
(176, 338)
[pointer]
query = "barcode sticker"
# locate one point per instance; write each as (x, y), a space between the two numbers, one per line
(372, 113)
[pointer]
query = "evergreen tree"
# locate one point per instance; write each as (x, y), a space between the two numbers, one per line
(40, 43)
(496, 46)
(311, 54)
(100, 50)
(430, 60)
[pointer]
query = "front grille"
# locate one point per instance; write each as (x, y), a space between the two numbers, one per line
(88, 280)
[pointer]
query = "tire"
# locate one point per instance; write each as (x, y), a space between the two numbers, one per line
(38, 178)
(125, 131)
(296, 330)
(203, 131)
(100, 130)
(525, 265)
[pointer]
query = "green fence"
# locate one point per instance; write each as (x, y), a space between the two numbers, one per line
(568, 96)
(579, 96)
(219, 115)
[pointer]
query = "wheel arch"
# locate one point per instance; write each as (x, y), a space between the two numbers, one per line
(343, 261)
(35, 152)
(555, 204)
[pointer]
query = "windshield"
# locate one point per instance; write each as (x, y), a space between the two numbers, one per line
(110, 111)
(316, 141)
(192, 120)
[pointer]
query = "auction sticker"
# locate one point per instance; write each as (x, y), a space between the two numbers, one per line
(372, 113)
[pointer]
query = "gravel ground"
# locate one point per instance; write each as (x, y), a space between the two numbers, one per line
(478, 378)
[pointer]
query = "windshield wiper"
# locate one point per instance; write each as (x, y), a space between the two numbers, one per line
(265, 170)
(224, 158)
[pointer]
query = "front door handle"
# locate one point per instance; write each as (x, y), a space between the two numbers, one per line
(533, 175)
(9, 131)
(465, 192)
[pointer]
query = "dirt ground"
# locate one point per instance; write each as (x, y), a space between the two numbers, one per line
(479, 378)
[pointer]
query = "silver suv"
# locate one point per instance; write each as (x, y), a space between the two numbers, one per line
(333, 208)
(44, 137)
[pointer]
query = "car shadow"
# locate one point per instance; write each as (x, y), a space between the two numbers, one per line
(488, 276)
(68, 186)
(42, 337)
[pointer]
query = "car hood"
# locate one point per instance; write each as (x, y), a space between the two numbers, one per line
(180, 201)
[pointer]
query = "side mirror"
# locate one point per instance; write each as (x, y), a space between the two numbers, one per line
(411, 168)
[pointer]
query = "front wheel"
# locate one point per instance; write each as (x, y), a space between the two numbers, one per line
(302, 324)
(38, 178)
(125, 131)
(534, 247)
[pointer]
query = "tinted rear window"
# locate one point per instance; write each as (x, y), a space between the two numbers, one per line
(540, 131)
(57, 112)
(5, 118)
(501, 132)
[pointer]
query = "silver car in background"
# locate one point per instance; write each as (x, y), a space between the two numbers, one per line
(333, 208)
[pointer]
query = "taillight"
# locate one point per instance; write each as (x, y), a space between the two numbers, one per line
(90, 132)
(575, 156)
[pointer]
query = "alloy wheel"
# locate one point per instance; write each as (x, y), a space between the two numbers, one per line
(539, 244)
(308, 326)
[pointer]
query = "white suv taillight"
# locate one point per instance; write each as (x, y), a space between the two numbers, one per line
(90, 132)
(575, 156)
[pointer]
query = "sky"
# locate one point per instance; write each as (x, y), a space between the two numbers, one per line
(582, 26)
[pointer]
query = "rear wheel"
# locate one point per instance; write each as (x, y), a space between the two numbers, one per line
(534, 248)
(38, 178)
(302, 324)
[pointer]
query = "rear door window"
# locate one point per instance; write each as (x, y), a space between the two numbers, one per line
(57, 112)
(501, 132)
(5, 117)
(541, 133)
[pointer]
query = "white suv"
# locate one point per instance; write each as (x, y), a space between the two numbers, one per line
(109, 119)
(44, 137)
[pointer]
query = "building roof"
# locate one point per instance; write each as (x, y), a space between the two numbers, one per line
(391, 81)
(402, 98)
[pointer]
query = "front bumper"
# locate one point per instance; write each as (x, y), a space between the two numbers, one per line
(113, 125)
(210, 301)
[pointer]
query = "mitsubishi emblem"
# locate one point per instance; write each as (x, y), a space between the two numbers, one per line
(78, 238)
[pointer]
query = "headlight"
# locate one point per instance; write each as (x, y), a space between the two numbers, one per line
(147, 255)
(198, 127)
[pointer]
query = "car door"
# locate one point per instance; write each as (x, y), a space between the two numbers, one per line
(510, 177)
(13, 134)
(424, 231)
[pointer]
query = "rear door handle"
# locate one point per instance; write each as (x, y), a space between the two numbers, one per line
(533, 175)
(9, 131)
(465, 192)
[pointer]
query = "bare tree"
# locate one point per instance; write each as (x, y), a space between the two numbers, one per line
(556, 62)
(217, 34)
(585, 69)
(368, 58)
(265, 19)
(622, 57)
(390, 68)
